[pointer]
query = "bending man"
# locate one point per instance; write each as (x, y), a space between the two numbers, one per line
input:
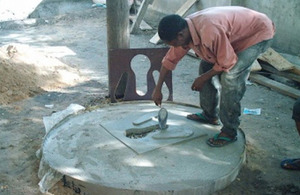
(228, 40)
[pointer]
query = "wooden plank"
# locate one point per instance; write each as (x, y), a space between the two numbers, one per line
(285, 74)
(255, 66)
(276, 60)
(140, 15)
(181, 11)
(145, 26)
(155, 39)
(284, 89)
(185, 7)
(295, 70)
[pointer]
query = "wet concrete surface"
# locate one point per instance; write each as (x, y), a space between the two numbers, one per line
(92, 148)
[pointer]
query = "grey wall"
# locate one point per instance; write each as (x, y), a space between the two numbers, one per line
(284, 13)
(286, 17)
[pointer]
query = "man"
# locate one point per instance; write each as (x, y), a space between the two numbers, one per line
(294, 164)
(228, 40)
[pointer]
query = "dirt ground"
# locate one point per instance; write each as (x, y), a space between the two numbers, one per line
(61, 58)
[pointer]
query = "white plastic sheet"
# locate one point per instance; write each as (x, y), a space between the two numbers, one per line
(48, 176)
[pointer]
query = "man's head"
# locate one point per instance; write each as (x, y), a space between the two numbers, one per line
(173, 30)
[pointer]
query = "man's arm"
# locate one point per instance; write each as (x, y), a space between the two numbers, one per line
(157, 95)
(199, 81)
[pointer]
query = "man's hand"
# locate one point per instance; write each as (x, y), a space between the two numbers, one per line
(198, 83)
(157, 96)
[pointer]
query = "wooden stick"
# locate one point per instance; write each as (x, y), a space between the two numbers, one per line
(285, 74)
(284, 89)
(140, 15)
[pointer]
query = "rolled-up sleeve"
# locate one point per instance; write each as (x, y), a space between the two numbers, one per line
(173, 56)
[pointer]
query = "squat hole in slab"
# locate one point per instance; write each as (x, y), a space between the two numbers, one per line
(140, 133)
(140, 65)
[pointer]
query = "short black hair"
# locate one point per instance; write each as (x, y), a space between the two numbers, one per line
(169, 26)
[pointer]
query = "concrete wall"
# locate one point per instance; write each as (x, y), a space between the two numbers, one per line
(284, 13)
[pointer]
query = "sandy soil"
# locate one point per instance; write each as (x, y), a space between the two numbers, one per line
(26, 72)
(76, 43)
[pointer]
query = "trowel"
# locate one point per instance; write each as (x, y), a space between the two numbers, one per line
(162, 118)
(174, 132)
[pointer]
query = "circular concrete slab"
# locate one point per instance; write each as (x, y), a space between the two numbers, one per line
(92, 150)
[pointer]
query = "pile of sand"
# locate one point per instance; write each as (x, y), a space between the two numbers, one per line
(25, 72)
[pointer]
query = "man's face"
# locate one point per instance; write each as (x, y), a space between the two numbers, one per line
(182, 40)
(175, 43)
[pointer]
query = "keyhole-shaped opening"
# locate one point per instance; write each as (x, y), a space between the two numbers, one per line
(164, 89)
(140, 65)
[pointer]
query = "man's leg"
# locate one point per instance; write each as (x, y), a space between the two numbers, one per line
(296, 114)
(210, 94)
(233, 89)
(294, 164)
(209, 98)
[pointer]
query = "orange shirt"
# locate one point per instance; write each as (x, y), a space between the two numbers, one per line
(219, 33)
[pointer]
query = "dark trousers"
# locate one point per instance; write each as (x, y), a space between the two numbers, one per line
(221, 96)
